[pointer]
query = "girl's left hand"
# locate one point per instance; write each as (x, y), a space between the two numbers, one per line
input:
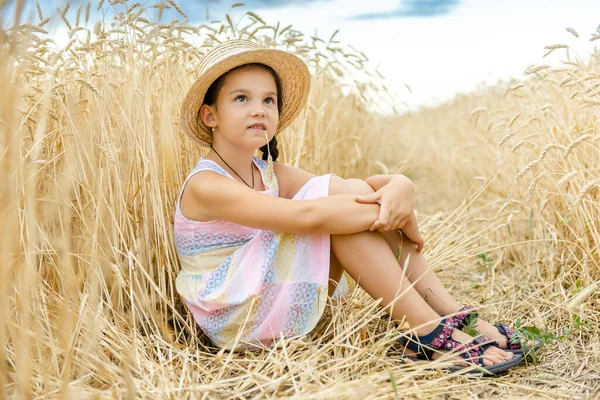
(396, 200)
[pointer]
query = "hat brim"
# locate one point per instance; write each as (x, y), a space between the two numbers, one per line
(293, 74)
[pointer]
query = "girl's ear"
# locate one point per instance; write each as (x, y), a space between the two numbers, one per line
(208, 116)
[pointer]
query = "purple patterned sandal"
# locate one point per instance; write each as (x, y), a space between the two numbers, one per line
(464, 315)
(513, 342)
(440, 339)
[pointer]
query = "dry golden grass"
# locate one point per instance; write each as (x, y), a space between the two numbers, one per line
(92, 158)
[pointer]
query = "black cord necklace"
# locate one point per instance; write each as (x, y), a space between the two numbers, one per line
(251, 169)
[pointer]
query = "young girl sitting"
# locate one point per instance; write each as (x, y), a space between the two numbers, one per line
(262, 244)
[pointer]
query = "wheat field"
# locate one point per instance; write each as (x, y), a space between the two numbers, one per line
(92, 158)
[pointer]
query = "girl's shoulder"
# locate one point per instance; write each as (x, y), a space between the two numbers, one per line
(193, 184)
(206, 164)
(198, 181)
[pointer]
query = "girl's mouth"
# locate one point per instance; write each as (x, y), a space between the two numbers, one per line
(259, 126)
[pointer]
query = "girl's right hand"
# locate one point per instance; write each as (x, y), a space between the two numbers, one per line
(396, 200)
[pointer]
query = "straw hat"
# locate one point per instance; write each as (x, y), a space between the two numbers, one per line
(292, 71)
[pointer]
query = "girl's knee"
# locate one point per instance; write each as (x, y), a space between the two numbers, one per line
(349, 186)
(358, 186)
(337, 185)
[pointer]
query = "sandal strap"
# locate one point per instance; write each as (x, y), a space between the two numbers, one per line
(461, 317)
(510, 334)
(484, 342)
(422, 345)
(470, 352)
(441, 339)
(463, 314)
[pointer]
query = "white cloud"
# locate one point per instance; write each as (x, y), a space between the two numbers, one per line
(438, 57)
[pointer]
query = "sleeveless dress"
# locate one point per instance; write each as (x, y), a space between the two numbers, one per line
(247, 286)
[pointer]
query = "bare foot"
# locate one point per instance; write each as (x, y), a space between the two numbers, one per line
(492, 332)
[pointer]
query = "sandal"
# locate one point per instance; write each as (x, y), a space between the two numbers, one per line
(472, 352)
(513, 342)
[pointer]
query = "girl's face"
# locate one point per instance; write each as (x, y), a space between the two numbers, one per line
(248, 97)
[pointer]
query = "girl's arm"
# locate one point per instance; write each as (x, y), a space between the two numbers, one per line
(379, 181)
(220, 197)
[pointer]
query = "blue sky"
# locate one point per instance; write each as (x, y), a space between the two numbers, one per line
(437, 47)
(404, 8)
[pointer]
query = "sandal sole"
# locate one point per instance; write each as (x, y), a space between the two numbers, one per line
(482, 371)
(492, 369)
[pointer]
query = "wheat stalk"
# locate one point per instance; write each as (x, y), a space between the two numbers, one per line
(553, 47)
(572, 32)
(532, 69)
(507, 137)
(585, 190)
(532, 186)
(575, 143)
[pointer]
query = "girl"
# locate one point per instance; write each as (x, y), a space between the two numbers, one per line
(263, 244)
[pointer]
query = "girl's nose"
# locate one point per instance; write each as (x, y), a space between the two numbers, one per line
(258, 112)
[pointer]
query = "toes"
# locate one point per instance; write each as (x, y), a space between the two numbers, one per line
(491, 359)
(494, 353)
(506, 355)
(503, 354)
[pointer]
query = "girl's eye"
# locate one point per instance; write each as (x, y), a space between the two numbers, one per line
(270, 99)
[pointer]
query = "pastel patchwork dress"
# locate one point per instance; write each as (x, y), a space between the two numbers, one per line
(248, 286)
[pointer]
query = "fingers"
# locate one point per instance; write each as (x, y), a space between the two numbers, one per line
(418, 240)
(396, 223)
(389, 223)
(374, 226)
(385, 213)
(391, 216)
(382, 222)
(420, 244)
(369, 198)
(400, 221)
(404, 218)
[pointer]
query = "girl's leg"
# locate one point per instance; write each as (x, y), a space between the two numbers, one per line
(425, 281)
(335, 273)
(367, 257)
